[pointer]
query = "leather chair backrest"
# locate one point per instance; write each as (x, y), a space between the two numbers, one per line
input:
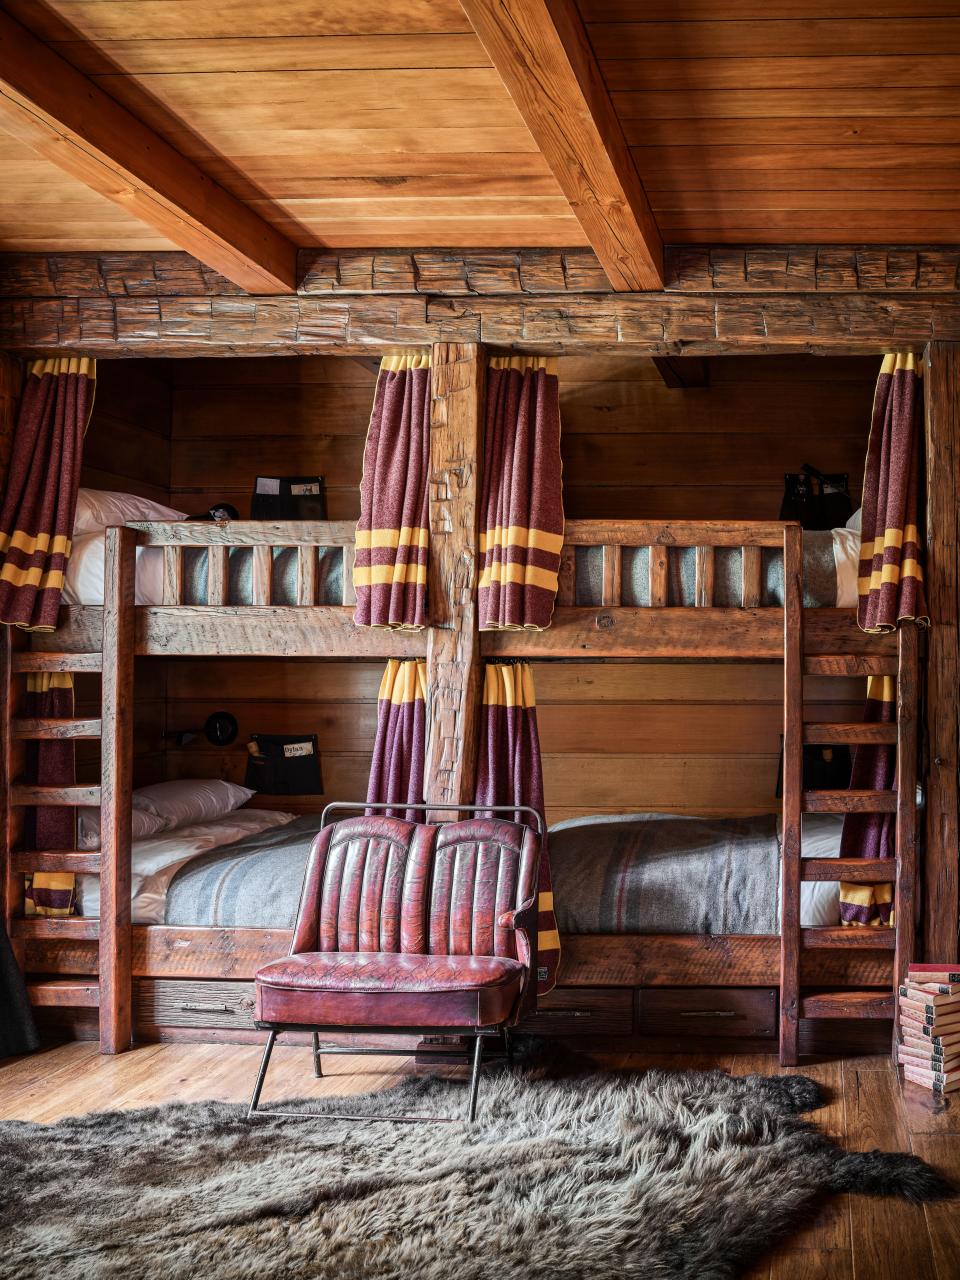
(382, 884)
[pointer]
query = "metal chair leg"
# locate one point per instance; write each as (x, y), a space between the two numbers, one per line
(262, 1074)
(317, 1066)
(475, 1078)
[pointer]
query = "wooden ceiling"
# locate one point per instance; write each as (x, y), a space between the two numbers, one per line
(405, 123)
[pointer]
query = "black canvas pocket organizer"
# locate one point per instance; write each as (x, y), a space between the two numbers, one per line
(284, 764)
(289, 498)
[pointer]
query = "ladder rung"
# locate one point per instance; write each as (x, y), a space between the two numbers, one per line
(849, 664)
(52, 728)
(75, 927)
(850, 734)
(849, 802)
(858, 870)
(56, 796)
(29, 660)
(842, 937)
(64, 993)
(847, 1004)
(76, 860)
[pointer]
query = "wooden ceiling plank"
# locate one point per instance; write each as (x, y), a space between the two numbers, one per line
(542, 53)
(62, 115)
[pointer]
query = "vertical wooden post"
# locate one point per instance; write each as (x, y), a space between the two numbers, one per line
(905, 900)
(792, 794)
(116, 782)
(453, 652)
(11, 885)
(942, 828)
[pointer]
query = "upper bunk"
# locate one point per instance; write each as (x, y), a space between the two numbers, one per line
(629, 589)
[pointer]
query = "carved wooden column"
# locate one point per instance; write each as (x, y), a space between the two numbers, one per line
(453, 651)
(11, 690)
(942, 831)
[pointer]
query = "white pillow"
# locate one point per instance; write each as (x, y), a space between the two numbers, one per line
(145, 824)
(98, 508)
(854, 521)
(846, 557)
(191, 800)
(83, 583)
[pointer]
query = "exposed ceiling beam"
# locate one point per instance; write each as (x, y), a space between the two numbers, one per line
(683, 371)
(67, 118)
(542, 53)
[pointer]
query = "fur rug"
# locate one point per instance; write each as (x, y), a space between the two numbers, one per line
(666, 1176)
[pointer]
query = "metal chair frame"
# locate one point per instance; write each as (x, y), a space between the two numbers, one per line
(479, 1033)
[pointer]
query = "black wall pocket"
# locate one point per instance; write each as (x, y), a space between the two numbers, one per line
(284, 764)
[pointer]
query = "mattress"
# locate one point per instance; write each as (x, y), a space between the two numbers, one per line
(830, 559)
(156, 860)
(84, 576)
(641, 873)
(665, 873)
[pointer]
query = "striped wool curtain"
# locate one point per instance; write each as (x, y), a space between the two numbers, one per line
(891, 572)
(521, 507)
(50, 763)
(390, 572)
(890, 593)
(40, 497)
(509, 772)
(397, 767)
(871, 835)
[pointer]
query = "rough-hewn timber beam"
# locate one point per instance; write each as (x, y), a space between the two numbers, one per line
(543, 55)
(493, 272)
(63, 115)
(651, 324)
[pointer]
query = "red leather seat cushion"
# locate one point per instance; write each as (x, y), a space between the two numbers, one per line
(386, 989)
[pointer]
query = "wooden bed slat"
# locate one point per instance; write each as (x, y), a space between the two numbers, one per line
(172, 575)
(611, 589)
(567, 578)
(849, 734)
(79, 861)
(704, 572)
(859, 870)
(245, 533)
(673, 533)
(306, 576)
(659, 564)
(849, 801)
(908, 698)
(217, 570)
(790, 938)
(848, 1004)
(349, 591)
(751, 565)
(28, 794)
(51, 729)
(261, 583)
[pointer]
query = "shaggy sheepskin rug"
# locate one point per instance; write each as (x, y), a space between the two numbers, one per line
(660, 1175)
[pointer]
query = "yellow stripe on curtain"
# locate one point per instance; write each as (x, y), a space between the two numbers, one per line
(867, 899)
(509, 686)
(409, 358)
(404, 680)
(56, 365)
(51, 893)
(522, 362)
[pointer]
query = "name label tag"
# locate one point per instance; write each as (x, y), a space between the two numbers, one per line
(298, 749)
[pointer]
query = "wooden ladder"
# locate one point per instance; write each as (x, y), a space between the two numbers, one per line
(111, 992)
(901, 870)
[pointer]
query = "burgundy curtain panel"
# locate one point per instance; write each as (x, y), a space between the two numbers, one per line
(890, 589)
(40, 498)
(509, 772)
(521, 506)
(399, 751)
(390, 569)
(50, 763)
(891, 573)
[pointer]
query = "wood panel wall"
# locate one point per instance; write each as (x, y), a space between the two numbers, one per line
(127, 448)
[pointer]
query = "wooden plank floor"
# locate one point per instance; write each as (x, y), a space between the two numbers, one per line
(854, 1238)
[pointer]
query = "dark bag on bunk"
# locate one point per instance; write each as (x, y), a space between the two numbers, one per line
(816, 500)
(825, 768)
(284, 764)
(289, 498)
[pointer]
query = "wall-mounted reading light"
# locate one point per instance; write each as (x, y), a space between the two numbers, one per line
(220, 730)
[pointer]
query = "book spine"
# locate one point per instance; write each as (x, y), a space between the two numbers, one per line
(933, 973)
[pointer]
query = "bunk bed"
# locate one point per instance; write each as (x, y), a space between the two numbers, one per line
(829, 972)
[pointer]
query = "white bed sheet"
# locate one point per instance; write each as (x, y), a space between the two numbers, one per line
(819, 899)
(155, 861)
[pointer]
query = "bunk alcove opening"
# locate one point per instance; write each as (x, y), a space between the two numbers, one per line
(606, 670)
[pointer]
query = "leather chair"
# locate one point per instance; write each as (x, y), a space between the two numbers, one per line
(408, 928)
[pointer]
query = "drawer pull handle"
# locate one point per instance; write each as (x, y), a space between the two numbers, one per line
(564, 1013)
(710, 1013)
(208, 1008)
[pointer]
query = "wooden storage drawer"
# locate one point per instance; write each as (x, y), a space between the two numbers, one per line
(582, 1011)
(174, 1002)
(707, 1011)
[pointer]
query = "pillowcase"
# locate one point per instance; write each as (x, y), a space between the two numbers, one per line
(145, 824)
(83, 583)
(854, 521)
(190, 800)
(98, 508)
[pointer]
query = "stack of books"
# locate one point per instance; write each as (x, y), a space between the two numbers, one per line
(929, 1048)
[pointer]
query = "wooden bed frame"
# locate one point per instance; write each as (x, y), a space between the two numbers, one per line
(858, 966)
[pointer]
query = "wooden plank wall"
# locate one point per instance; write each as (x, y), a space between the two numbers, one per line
(615, 736)
(127, 448)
